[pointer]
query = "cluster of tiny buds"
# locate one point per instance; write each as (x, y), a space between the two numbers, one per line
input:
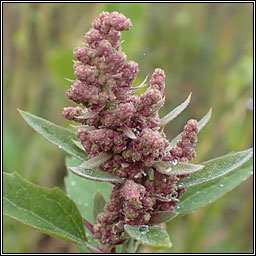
(114, 119)
(130, 204)
(99, 140)
(184, 150)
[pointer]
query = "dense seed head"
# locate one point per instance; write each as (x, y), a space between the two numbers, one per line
(157, 80)
(118, 121)
(184, 150)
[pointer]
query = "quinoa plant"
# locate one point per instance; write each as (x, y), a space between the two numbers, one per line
(119, 145)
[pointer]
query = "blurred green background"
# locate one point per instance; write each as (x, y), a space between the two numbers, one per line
(206, 48)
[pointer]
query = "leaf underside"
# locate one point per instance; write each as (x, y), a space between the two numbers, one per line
(199, 196)
(217, 168)
(94, 174)
(169, 168)
(175, 112)
(97, 160)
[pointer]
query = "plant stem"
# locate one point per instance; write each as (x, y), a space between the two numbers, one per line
(132, 245)
(88, 225)
(96, 249)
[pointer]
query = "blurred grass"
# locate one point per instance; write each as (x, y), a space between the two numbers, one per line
(206, 48)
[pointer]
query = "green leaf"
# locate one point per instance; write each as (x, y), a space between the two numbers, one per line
(94, 174)
(82, 191)
(217, 168)
(47, 210)
(170, 168)
(201, 195)
(78, 144)
(175, 112)
(149, 235)
(99, 203)
(57, 135)
(162, 217)
(97, 160)
(201, 125)
(129, 246)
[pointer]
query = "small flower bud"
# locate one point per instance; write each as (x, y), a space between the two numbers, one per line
(104, 48)
(85, 73)
(150, 98)
(92, 37)
(120, 22)
(157, 80)
(71, 113)
(84, 54)
(184, 149)
(119, 116)
(114, 38)
(129, 73)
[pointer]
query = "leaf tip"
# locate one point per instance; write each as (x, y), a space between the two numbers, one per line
(201, 167)
(20, 111)
(10, 173)
(209, 114)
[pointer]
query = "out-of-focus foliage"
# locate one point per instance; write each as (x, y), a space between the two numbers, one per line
(206, 48)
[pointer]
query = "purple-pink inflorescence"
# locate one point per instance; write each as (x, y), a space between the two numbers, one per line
(115, 120)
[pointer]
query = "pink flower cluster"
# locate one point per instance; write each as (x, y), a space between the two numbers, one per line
(100, 140)
(184, 150)
(103, 73)
(116, 120)
(130, 203)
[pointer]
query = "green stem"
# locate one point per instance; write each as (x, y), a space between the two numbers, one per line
(95, 249)
(132, 245)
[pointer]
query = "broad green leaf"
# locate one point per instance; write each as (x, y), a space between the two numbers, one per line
(82, 191)
(170, 168)
(47, 210)
(94, 174)
(98, 204)
(57, 135)
(162, 217)
(174, 113)
(201, 195)
(217, 168)
(149, 235)
(201, 125)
